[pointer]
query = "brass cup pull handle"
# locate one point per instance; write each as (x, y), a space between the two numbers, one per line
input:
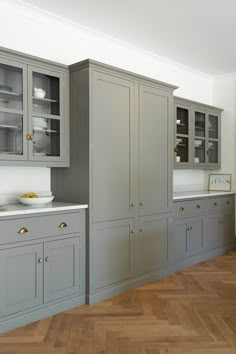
(62, 225)
(23, 230)
(181, 209)
(227, 202)
(198, 206)
(215, 204)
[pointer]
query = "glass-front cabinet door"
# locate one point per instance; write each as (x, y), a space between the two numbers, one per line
(45, 110)
(199, 137)
(213, 141)
(182, 130)
(13, 119)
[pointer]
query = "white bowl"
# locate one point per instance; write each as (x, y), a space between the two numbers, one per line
(35, 201)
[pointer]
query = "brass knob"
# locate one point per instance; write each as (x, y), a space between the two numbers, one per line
(215, 204)
(47, 259)
(40, 260)
(133, 204)
(141, 230)
(23, 230)
(141, 203)
(29, 137)
(62, 225)
(198, 206)
(181, 209)
(227, 202)
(132, 231)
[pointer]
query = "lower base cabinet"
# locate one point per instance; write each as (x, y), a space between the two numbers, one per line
(198, 234)
(188, 237)
(151, 243)
(21, 278)
(45, 273)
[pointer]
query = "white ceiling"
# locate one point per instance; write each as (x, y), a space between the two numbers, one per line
(200, 34)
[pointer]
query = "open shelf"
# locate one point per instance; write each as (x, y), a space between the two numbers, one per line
(44, 100)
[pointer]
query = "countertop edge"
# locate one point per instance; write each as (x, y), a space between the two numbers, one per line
(39, 210)
(196, 195)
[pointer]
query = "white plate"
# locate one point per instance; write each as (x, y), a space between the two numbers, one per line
(35, 201)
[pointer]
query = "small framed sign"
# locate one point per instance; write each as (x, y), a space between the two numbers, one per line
(220, 182)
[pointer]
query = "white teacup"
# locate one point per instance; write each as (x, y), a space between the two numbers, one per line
(39, 93)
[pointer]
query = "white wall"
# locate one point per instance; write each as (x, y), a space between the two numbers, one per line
(25, 29)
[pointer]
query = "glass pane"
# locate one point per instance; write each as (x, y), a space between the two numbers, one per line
(200, 119)
(46, 137)
(11, 133)
(199, 151)
(182, 121)
(182, 149)
(213, 151)
(45, 93)
(213, 127)
(11, 87)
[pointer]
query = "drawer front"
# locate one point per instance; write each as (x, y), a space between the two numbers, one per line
(25, 229)
(190, 207)
(228, 202)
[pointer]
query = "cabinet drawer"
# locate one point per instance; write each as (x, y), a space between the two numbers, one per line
(25, 229)
(190, 207)
(226, 202)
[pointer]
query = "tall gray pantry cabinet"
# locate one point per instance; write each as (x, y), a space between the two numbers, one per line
(121, 165)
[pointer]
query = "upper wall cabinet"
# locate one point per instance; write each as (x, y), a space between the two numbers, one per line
(197, 135)
(34, 117)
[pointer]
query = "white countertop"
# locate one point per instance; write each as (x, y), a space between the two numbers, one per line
(198, 194)
(20, 209)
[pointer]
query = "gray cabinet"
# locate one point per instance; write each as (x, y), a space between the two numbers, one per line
(121, 165)
(202, 225)
(113, 148)
(197, 135)
(112, 253)
(33, 111)
(21, 278)
(152, 243)
(41, 276)
(188, 237)
(213, 231)
(62, 270)
(153, 151)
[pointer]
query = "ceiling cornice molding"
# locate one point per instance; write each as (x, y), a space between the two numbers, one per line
(32, 12)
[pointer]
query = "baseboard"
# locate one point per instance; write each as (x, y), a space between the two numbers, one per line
(37, 314)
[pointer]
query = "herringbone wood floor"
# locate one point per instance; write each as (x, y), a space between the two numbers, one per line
(191, 312)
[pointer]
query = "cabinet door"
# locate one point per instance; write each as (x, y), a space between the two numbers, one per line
(13, 111)
(21, 278)
(196, 235)
(199, 137)
(112, 253)
(113, 148)
(62, 271)
(228, 228)
(182, 136)
(152, 243)
(153, 165)
(181, 239)
(212, 237)
(46, 115)
(213, 140)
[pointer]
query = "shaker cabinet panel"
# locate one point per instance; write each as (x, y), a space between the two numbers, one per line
(113, 147)
(152, 243)
(153, 150)
(213, 231)
(228, 228)
(61, 268)
(112, 252)
(196, 235)
(181, 239)
(21, 278)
